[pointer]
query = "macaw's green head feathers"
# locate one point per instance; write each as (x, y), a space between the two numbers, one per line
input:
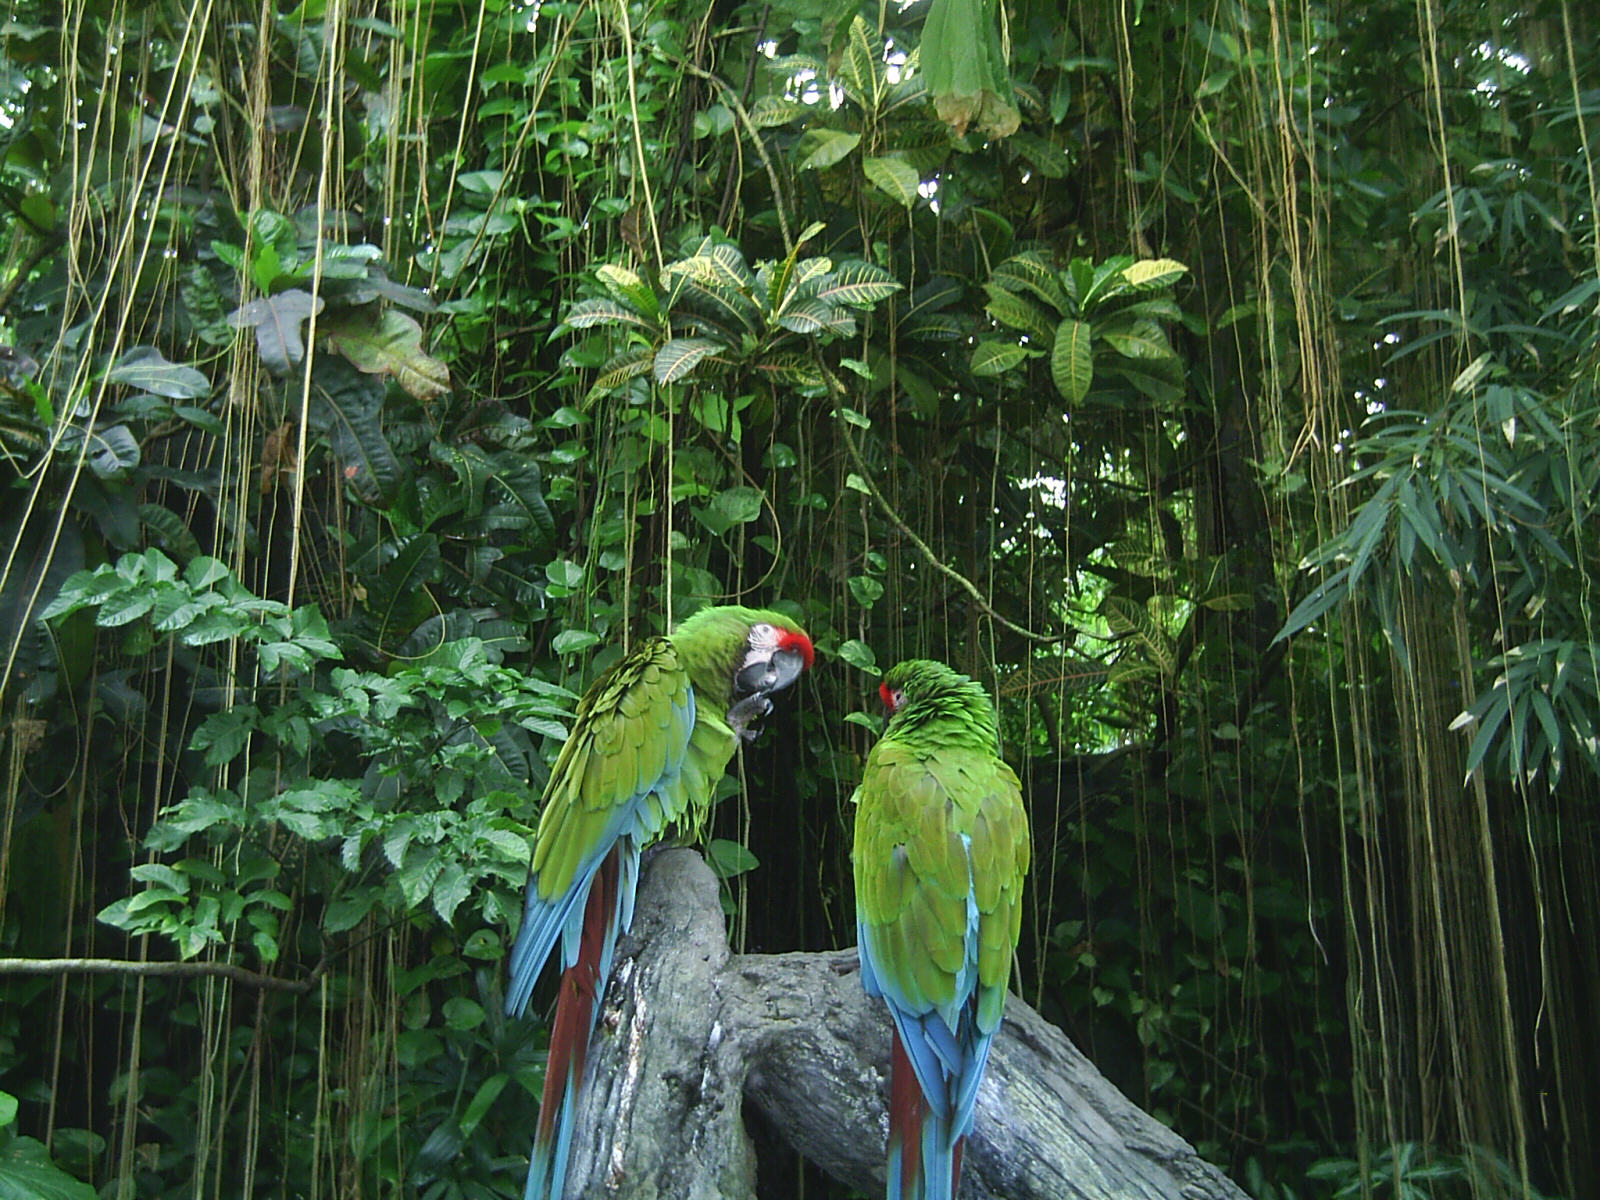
(927, 700)
(739, 656)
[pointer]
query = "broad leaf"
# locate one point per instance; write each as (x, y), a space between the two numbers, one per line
(895, 178)
(276, 321)
(679, 357)
(390, 345)
(1030, 271)
(1149, 274)
(603, 311)
(819, 149)
(1011, 309)
(347, 408)
(1071, 365)
(995, 358)
(146, 368)
(815, 316)
(858, 285)
(627, 288)
(629, 364)
(966, 69)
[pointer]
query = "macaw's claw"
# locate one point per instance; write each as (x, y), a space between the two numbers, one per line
(747, 711)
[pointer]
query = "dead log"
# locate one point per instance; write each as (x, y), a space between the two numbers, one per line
(690, 1033)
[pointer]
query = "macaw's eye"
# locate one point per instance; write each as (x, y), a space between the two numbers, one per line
(892, 698)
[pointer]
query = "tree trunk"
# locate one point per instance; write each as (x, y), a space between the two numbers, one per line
(690, 1033)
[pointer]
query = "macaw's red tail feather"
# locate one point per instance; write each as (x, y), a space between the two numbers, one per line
(907, 1111)
(923, 1163)
(577, 1006)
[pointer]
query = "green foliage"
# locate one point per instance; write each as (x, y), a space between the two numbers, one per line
(368, 381)
(1091, 317)
(26, 1171)
(449, 743)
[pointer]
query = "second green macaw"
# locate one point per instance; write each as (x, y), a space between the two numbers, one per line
(650, 739)
(941, 849)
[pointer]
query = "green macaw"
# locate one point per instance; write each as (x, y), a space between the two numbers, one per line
(650, 740)
(941, 849)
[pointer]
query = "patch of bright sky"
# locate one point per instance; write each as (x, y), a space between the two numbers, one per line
(1510, 58)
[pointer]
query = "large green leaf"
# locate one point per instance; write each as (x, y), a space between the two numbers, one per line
(822, 148)
(1151, 274)
(601, 310)
(347, 408)
(627, 288)
(629, 364)
(965, 67)
(146, 368)
(860, 66)
(1019, 313)
(996, 358)
(858, 285)
(816, 316)
(28, 1174)
(1030, 271)
(276, 321)
(679, 357)
(1071, 364)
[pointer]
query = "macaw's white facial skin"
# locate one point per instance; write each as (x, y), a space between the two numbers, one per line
(773, 659)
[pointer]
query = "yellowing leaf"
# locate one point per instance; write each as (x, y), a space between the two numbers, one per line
(1148, 274)
(390, 345)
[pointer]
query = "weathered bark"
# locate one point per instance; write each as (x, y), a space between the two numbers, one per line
(689, 1033)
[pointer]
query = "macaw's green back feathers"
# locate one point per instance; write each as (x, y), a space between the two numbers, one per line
(941, 849)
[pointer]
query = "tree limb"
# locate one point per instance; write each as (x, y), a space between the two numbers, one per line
(690, 1033)
(184, 970)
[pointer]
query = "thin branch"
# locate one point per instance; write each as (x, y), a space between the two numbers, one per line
(182, 970)
(755, 137)
(923, 548)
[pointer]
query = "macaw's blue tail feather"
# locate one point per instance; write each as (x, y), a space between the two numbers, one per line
(577, 1006)
(924, 1159)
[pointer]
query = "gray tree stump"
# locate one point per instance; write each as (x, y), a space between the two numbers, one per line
(689, 1033)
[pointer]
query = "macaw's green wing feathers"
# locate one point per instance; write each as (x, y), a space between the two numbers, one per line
(941, 849)
(616, 778)
(650, 739)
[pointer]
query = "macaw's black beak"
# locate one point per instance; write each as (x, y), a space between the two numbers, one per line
(764, 678)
